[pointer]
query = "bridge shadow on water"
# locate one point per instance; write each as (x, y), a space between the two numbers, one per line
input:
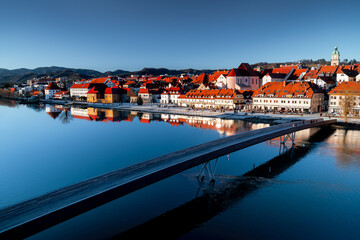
(181, 220)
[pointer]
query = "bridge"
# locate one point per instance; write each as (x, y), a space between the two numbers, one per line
(34, 215)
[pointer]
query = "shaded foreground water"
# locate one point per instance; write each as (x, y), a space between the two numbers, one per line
(310, 192)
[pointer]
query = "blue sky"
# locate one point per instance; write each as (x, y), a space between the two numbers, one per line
(132, 34)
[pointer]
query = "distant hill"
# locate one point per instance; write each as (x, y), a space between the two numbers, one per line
(165, 71)
(22, 74)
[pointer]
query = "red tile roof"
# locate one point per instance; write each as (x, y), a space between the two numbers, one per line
(202, 78)
(112, 90)
(287, 90)
(213, 77)
(99, 80)
(144, 90)
(62, 93)
(346, 87)
(92, 91)
(206, 94)
(81, 85)
(284, 70)
(52, 86)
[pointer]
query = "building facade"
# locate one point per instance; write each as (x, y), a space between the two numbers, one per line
(345, 92)
(289, 97)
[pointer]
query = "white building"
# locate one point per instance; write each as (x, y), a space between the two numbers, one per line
(50, 90)
(289, 96)
(79, 90)
(170, 95)
(349, 89)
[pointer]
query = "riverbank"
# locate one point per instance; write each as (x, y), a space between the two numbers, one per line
(175, 110)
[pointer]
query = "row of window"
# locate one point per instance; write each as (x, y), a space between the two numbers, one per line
(282, 101)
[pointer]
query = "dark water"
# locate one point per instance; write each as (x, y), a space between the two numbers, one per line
(262, 192)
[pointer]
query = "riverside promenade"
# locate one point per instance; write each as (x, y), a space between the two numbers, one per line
(29, 217)
(175, 110)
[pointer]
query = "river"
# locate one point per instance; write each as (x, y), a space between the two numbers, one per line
(312, 191)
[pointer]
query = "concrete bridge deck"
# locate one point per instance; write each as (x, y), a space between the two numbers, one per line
(29, 217)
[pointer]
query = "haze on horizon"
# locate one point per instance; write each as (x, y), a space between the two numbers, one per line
(133, 34)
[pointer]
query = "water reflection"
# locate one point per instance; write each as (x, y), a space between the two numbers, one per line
(346, 147)
(181, 220)
(7, 103)
(225, 127)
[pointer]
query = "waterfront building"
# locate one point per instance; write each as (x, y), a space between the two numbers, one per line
(128, 95)
(50, 90)
(335, 57)
(112, 94)
(93, 96)
(289, 96)
(145, 95)
(243, 99)
(171, 95)
(79, 90)
(208, 99)
(243, 78)
(62, 95)
(345, 91)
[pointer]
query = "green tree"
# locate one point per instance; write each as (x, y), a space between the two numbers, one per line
(139, 101)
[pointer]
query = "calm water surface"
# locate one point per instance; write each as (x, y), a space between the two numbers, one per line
(311, 192)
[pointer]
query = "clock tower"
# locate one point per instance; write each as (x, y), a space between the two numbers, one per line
(335, 57)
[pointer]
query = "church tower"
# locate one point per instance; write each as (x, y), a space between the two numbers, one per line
(335, 57)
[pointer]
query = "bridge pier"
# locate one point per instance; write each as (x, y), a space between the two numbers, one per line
(290, 136)
(210, 170)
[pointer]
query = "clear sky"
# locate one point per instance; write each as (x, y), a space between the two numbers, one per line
(132, 34)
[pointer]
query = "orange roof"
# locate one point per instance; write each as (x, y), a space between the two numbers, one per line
(129, 82)
(217, 74)
(92, 91)
(52, 86)
(205, 94)
(346, 87)
(327, 70)
(36, 93)
(112, 90)
(311, 74)
(61, 93)
(144, 90)
(201, 78)
(287, 90)
(284, 70)
(81, 85)
(143, 120)
(99, 80)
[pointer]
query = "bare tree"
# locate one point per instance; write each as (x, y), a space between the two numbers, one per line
(347, 104)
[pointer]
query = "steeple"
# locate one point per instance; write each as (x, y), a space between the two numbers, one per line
(335, 57)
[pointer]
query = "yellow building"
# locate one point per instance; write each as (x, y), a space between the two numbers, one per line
(112, 95)
(93, 95)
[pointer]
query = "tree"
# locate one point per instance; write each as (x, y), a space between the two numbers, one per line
(353, 61)
(139, 101)
(347, 104)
